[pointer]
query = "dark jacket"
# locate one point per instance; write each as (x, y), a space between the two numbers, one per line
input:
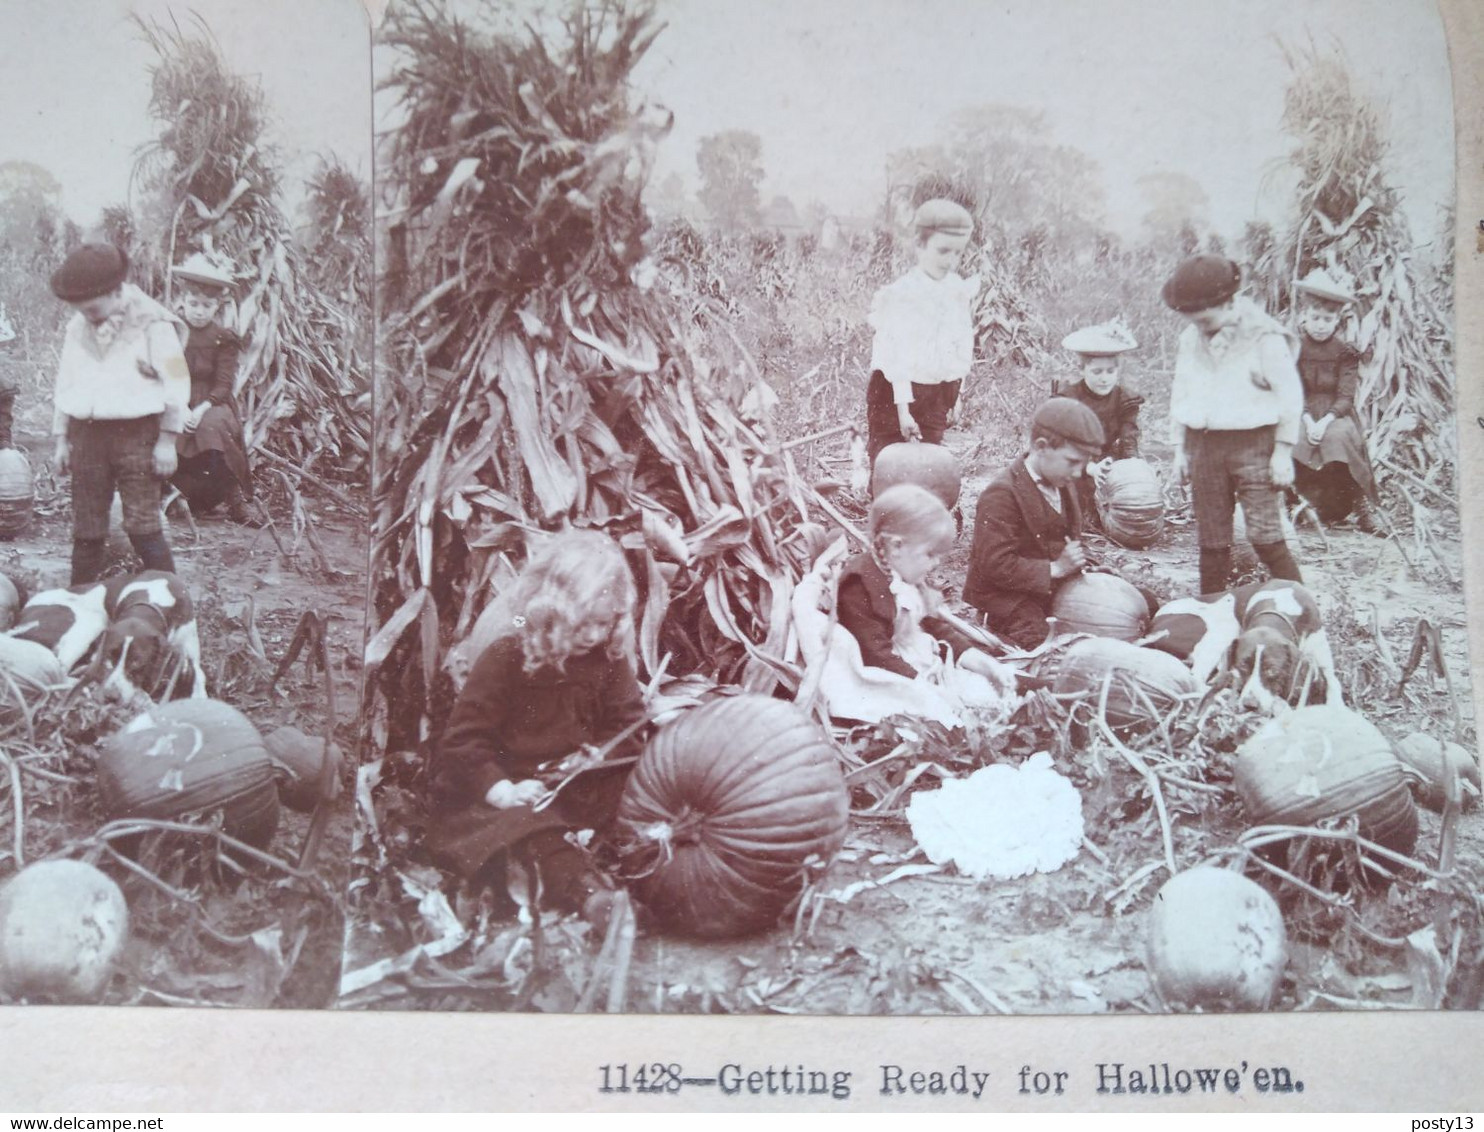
(211, 356)
(868, 609)
(1331, 374)
(1117, 411)
(1017, 535)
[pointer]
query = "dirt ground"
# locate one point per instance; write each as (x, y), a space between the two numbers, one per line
(886, 932)
(266, 938)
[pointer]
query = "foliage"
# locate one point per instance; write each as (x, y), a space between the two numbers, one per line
(211, 182)
(731, 168)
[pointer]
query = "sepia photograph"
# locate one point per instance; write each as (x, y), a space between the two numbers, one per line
(945, 510)
(185, 452)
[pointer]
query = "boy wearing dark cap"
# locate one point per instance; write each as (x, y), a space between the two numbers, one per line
(120, 401)
(1028, 525)
(1235, 408)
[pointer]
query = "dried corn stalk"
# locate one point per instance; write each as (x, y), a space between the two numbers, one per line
(1350, 222)
(303, 384)
(533, 383)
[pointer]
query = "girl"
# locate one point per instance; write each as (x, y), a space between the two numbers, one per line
(886, 604)
(559, 679)
(213, 463)
(924, 342)
(1331, 468)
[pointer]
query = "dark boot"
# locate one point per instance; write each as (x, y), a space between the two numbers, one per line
(154, 552)
(1216, 568)
(88, 556)
(1368, 519)
(1279, 560)
(240, 511)
(7, 419)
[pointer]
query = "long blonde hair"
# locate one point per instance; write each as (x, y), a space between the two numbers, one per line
(577, 577)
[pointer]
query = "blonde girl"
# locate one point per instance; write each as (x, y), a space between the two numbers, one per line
(886, 603)
(558, 678)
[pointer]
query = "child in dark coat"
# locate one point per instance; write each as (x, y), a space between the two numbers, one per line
(1028, 524)
(1098, 385)
(213, 461)
(1331, 467)
(886, 604)
(559, 681)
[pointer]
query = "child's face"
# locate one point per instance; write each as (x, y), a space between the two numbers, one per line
(198, 309)
(595, 631)
(913, 560)
(1321, 321)
(940, 253)
(1059, 464)
(102, 308)
(1100, 374)
(1213, 319)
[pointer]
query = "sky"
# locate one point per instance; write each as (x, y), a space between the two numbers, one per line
(74, 85)
(1188, 86)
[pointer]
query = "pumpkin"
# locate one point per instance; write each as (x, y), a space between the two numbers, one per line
(1216, 942)
(1101, 604)
(31, 666)
(1326, 761)
(301, 760)
(62, 927)
(1424, 755)
(927, 465)
(17, 491)
(10, 602)
(1131, 503)
(1137, 678)
(191, 757)
(727, 810)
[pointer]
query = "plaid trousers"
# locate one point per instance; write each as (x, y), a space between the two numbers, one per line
(109, 456)
(1227, 467)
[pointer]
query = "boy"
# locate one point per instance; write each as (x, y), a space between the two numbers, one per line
(213, 464)
(924, 343)
(120, 402)
(1235, 406)
(1331, 468)
(1028, 525)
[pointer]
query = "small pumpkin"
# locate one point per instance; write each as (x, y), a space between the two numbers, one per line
(302, 759)
(17, 491)
(726, 812)
(1216, 942)
(1131, 503)
(1424, 755)
(1101, 604)
(191, 757)
(62, 926)
(1326, 761)
(31, 666)
(927, 465)
(1137, 679)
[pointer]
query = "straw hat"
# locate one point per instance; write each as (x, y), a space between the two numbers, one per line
(1103, 341)
(196, 268)
(1321, 285)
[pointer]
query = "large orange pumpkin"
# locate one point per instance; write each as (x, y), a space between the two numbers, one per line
(1131, 503)
(191, 757)
(728, 810)
(927, 465)
(1101, 604)
(17, 491)
(1321, 762)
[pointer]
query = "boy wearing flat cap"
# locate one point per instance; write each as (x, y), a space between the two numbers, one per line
(1235, 409)
(924, 342)
(1028, 525)
(1332, 469)
(121, 395)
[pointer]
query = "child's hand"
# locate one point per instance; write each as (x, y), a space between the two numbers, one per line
(909, 427)
(1317, 429)
(1071, 560)
(507, 795)
(1281, 468)
(193, 417)
(164, 454)
(62, 456)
